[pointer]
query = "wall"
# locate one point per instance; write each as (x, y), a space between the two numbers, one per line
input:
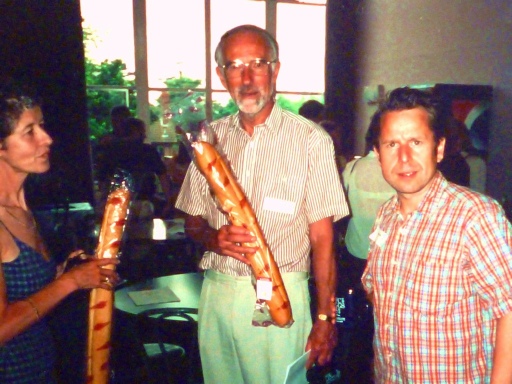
(438, 41)
(41, 44)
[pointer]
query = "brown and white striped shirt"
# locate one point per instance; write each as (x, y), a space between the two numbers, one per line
(288, 172)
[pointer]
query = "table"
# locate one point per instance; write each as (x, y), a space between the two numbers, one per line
(146, 327)
(168, 252)
(186, 286)
(171, 229)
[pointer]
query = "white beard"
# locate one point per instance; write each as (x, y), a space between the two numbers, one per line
(251, 107)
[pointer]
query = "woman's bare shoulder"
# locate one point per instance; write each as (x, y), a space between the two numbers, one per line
(8, 248)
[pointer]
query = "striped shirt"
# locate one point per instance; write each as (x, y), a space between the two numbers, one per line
(440, 278)
(288, 172)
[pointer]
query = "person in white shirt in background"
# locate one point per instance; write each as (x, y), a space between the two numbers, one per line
(366, 190)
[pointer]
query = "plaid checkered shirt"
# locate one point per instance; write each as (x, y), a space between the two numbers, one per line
(440, 278)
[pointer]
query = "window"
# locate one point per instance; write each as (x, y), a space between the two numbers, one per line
(164, 66)
(175, 40)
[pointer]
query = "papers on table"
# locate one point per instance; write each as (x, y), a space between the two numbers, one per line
(153, 296)
(296, 371)
(173, 229)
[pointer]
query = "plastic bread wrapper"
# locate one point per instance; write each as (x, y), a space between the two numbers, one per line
(101, 300)
(272, 305)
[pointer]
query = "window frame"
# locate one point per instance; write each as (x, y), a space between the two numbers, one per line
(142, 88)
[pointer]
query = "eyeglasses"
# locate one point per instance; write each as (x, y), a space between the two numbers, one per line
(257, 66)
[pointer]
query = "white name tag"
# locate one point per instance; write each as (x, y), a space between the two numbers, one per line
(278, 205)
(380, 237)
(263, 288)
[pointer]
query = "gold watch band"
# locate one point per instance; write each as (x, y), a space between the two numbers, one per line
(324, 317)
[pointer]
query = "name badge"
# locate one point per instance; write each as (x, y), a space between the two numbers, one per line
(278, 205)
(264, 288)
(380, 237)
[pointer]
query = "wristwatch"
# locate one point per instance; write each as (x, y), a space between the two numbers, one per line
(324, 317)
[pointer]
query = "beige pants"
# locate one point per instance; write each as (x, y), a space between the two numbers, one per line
(232, 349)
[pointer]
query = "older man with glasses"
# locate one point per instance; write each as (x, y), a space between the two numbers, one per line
(285, 165)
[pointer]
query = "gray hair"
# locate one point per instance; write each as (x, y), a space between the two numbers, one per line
(15, 98)
(270, 40)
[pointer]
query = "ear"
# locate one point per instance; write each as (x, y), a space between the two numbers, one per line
(440, 149)
(222, 79)
(376, 150)
(275, 72)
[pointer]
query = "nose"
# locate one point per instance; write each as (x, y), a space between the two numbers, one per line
(404, 153)
(246, 74)
(45, 138)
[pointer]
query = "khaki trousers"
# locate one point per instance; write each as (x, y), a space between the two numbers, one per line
(232, 349)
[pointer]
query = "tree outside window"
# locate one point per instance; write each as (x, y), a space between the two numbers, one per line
(176, 54)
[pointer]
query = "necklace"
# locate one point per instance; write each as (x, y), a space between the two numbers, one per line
(31, 226)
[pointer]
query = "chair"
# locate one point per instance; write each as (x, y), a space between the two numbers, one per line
(166, 325)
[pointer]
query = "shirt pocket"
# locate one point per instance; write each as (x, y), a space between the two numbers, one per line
(434, 284)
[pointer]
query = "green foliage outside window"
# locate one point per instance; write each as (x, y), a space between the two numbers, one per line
(187, 105)
(101, 101)
(184, 105)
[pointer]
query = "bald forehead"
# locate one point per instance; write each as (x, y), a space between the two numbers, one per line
(245, 38)
(246, 34)
(245, 42)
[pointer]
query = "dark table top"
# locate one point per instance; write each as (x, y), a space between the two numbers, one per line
(186, 286)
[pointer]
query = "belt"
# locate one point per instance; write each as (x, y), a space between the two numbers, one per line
(288, 277)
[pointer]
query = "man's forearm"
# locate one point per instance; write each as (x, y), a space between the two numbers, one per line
(324, 272)
(200, 231)
(324, 265)
(502, 364)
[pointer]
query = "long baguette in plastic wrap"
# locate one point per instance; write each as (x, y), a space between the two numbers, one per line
(233, 201)
(101, 300)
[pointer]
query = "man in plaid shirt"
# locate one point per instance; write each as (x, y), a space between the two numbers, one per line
(440, 263)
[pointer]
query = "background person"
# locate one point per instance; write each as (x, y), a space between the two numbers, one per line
(129, 152)
(118, 114)
(313, 110)
(453, 166)
(333, 130)
(440, 263)
(366, 191)
(474, 158)
(31, 285)
(286, 167)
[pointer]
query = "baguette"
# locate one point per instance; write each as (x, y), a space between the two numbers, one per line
(101, 300)
(233, 201)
